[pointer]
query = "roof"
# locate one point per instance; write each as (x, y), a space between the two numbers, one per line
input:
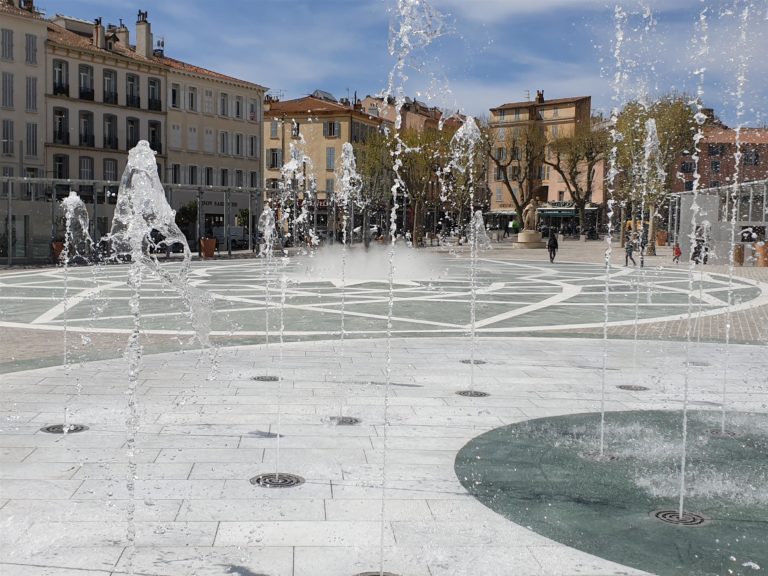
(723, 135)
(13, 10)
(61, 35)
(555, 101)
(311, 106)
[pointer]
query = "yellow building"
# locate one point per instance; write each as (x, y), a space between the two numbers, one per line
(325, 125)
(552, 119)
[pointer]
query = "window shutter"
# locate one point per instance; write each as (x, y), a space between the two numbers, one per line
(325, 129)
(337, 128)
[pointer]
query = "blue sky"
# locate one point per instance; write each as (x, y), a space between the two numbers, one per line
(491, 51)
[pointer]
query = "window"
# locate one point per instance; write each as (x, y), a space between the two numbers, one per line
(208, 102)
(238, 145)
(688, 185)
(175, 96)
(501, 114)
(224, 174)
(192, 174)
(208, 176)
(110, 87)
(60, 78)
(273, 129)
(85, 121)
(253, 110)
(110, 131)
(132, 98)
(714, 166)
(238, 106)
(61, 166)
(153, 93)
(296, 131)
(329, 184)
(8, 137)
(131, 132)
(331, 129)
(555, 130)
(30, 48)
(273, 183)
(31, 151)
(192, 138)
(751, 157)
(499, 173)
(60, 126)
(687, 167)
(514, 172)
(715, 184)
(275, 158)
(498, 194)
(154, 130)
(555, 112)
(517, 113)
(253, 146)
(716, 149)
(86, 168)
(110, 169)
(31, 94)
(85, 82)
(223, 104)
(192, 99)
(253, 179)
(208, 141)
(239, 178)
(175, 137)
(501, 154)
(224, 142)
(6, 51)
(544, 172)
(330, 158)
(175, 173)
(7, 90)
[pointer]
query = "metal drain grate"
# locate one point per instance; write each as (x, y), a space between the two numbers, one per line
(632, 387)
(698, 363)
(377, 573)
(673, 517)
(344, 420)
(595, 456)
(59, 428)
(375, 383)
(718, 433)
(476, 362)
(263, 434)
(266, 378)
(277, 480)
(472, 393)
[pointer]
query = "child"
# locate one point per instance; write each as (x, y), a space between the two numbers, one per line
(676, 253)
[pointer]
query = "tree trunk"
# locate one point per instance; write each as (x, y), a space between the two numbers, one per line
(418, 228)
(366, 228)
(650, 249)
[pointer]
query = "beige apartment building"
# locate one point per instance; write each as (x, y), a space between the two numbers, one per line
(556, 118)
(325, 124)
(414, 114)
(90, 92)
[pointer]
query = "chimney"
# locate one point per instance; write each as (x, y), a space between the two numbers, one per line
(143, 35)
(123, 36)
(539, 96)
(99, 38)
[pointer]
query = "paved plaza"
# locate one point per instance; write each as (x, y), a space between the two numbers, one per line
(268, 397)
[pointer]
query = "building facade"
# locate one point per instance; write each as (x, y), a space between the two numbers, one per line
(84, 93)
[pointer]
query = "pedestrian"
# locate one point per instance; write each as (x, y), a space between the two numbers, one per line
(676, 253)
(552, 245)
(629, 249)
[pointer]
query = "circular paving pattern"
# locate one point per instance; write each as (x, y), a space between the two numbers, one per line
(512, 297)
(537, 474)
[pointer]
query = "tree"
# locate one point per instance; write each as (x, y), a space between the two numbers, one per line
(186, 219)
(516, 155)
(652, 139)
(576, 158)
(374, 166)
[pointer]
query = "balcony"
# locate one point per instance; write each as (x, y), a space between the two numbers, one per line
(60, 89)
(133, 101)
(110, 142)
(87, 140)
(110, 97)
(61, 136)
(156, 146)
(86, 93)
(131, 143)
(155, 104)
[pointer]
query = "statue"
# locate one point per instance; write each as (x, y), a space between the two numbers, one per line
(530, 215)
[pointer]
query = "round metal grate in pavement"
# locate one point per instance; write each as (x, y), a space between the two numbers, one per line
(698, 363)
(595, 456)
(377, 573)
(673, 517)
(266, 378)
(476, 362)
(719, 433)
(277, 480)
(632, 387)
(344, 420)
(472, 393)
(59, 428)
(264, 434)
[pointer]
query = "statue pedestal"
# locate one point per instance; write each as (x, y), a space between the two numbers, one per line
(529, 239)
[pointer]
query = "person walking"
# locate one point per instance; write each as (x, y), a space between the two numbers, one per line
(552, 245)
(629, 249)
(676, 253)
